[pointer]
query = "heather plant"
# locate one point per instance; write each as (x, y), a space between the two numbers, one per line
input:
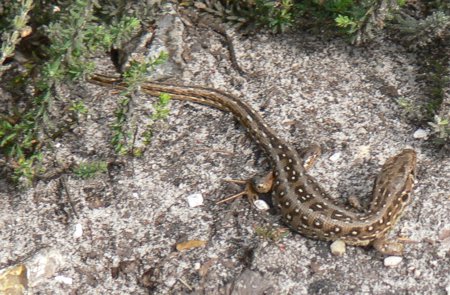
(58, 53)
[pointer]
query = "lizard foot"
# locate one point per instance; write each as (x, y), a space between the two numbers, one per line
(388, 247)
(253, 187)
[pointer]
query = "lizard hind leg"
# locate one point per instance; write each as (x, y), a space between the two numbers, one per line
(262, 183)
(255, 186)
(388, 247)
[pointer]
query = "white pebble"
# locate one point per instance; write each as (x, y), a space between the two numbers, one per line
(170, 281)
(261, 205)
(78, 231)
(363, 152)
(64, 280)
(338, 248)
(195, 200)
(421, 134)
(392, 261)
(334, 157)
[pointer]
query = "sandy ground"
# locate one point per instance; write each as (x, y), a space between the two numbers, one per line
(123, 237)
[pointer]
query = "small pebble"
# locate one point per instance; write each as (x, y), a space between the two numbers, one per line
(338, 248)
(170, 281)
(78, 231)
(64, 280)
(334, 157)
(392, 261)
(447, 289)
(261, 205)
(195, 200)
(363, 152)
(420, 134)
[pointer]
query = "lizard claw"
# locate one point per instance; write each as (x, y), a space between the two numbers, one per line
(248, 191)
(253, 187)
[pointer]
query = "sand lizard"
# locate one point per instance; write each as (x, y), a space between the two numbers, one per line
(303, 203)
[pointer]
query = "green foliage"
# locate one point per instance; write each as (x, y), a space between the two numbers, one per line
(346, 22)
(441, 128)
(411, 110)
(161, 112)
(365, 19)
(418, 33)
(360, 19)
(78, 107)
(73, 34)
(429, 37)
(17, 28)
(357, 18)
(27, 168)
(276, 15)
(433, 108)
(110, 11)
(437, 80)
(137, 72)
(89, 170)
(122, 138)
(77, 35)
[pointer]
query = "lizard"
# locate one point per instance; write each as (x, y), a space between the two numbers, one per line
(303, 203)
